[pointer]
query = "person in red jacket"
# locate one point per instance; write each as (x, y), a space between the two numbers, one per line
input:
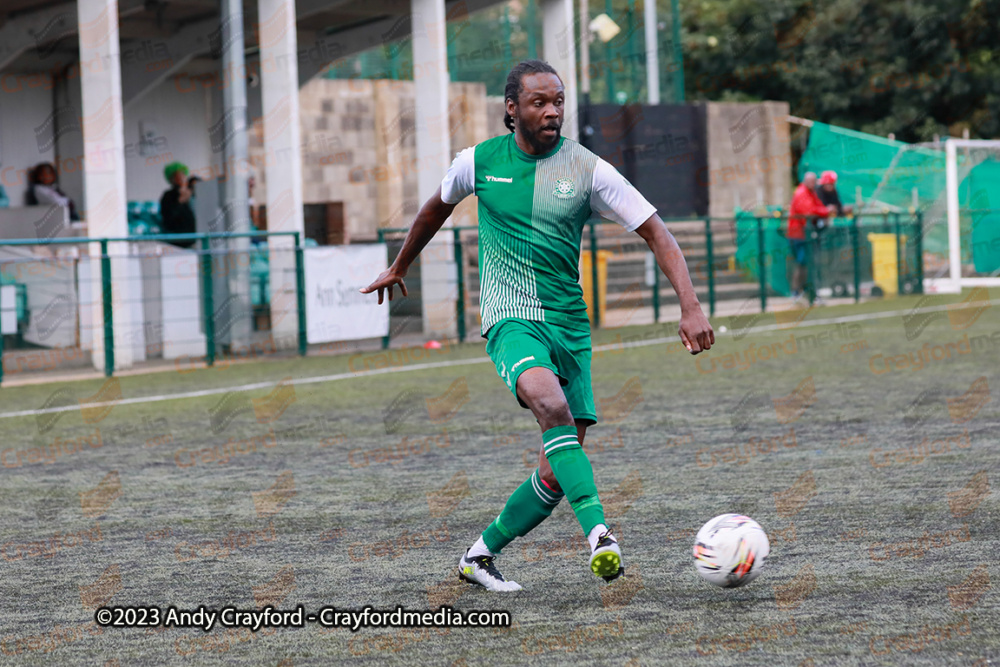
(805, 203)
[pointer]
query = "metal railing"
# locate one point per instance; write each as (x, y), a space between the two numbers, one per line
(751, 244)
(908, 235)
(737, 260)
(210, 249)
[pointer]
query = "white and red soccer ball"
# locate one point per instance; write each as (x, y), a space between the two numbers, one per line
(730, 550)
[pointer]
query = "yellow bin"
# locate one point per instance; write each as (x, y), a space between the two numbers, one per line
(602, 281)
(885, 272)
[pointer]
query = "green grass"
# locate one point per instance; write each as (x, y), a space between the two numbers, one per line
(340, 535)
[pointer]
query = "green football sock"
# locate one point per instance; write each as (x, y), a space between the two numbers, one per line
(575, 475)
(527, 507)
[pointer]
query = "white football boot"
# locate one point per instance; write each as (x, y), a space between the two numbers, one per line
(481, 571)
(606, 558)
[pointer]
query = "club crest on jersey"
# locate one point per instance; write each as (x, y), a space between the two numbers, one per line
(565, 189)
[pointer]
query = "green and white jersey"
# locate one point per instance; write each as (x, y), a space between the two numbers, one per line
(532, 210)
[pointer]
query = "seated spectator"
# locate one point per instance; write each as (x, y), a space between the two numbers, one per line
(175, 205)
(828, 195)
(44, 191)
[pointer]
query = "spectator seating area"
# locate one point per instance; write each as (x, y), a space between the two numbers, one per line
(144, 218)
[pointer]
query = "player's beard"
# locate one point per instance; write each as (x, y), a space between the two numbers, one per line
(540, 143)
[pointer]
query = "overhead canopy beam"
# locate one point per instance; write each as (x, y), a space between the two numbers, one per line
(46, 27)
(32, 30)
(319, 53)
(316, 56)
(195, 40)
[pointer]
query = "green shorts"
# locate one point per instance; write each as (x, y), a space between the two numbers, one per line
(516, 345)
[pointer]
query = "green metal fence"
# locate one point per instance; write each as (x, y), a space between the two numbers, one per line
(840, 254)
(213, 299)
(741, 261)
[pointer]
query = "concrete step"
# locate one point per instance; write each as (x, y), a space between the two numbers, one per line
(621, 283)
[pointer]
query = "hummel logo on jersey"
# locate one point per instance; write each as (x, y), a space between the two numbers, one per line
(514, 367)
(498, 179)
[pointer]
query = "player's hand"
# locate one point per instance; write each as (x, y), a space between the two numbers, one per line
(695, 332)
(386, 280)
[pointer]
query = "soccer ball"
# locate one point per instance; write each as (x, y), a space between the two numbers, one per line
(730, 550)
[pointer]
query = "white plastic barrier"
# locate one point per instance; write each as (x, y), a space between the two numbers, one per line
(180, 290)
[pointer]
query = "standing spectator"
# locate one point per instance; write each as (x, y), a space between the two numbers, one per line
(175, 204)
(256, 220)
(828, 195)
(804, 203)
(44, 191)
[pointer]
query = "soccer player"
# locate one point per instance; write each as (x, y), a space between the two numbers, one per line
(536, 192)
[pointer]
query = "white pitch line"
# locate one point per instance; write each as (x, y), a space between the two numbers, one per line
(802, 324)
(245, 387)
(468, 362)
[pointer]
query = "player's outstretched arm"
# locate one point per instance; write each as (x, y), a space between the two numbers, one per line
(695, 331)
(427, 223)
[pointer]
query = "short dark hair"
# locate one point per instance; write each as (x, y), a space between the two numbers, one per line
(513, 89)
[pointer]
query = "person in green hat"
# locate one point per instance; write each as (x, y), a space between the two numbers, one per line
(175, 204)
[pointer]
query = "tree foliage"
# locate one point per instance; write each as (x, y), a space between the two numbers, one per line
(914, 68)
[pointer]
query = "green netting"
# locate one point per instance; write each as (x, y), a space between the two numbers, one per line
(863, 160)
(776, 252)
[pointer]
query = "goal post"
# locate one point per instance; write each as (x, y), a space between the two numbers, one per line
(961, 212)
(952, 186)
(974, 220)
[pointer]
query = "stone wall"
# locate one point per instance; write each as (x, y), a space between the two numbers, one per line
(494, 115)
(359, 148)
(749, 156)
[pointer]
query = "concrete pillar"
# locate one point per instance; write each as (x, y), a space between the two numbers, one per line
(391, 114)
(283, 159)
(104, 178)
(652, 52)
(430, 76)
(559, 50)
(233, 307)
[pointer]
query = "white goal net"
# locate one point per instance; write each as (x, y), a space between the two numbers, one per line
(955, 187)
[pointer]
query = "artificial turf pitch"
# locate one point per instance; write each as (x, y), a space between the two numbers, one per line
(873, 479)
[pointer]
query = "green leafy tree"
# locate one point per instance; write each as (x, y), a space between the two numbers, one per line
(914, 68)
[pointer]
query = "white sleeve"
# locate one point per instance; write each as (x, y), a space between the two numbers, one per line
(48, 195)
(460, 180)
(614, 198)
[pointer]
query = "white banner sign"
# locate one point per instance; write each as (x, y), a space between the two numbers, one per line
(8, 309)
(335, 309)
